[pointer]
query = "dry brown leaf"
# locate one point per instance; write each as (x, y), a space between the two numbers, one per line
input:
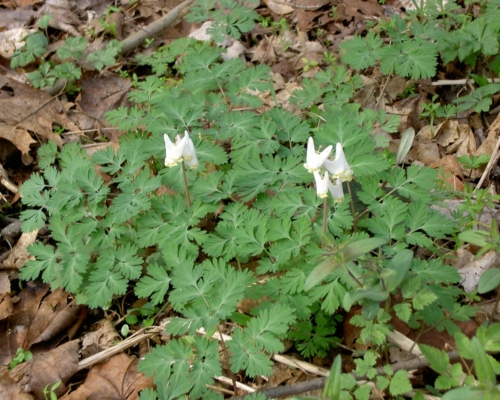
(465, 145)
(52, 317)
(11, 390)
(278, 8)
(452, 172)
(488, 146)
(117, 378)
(62, 16)
(17, 136)
(281, 373)
(103, 92)
(58, 364)
(6, 305)
(6, 308)
(63, 319)
(4, 284)
(426, 152)
(33, 110)
(11, 40)
(305, 19)
(14, 332)
(264, 52)
(101, 339)
(359, 9)
(395, 87)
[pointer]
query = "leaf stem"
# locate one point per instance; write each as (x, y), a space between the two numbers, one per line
(184, 178)
(353, 277)
(353, 210)
(325, 213)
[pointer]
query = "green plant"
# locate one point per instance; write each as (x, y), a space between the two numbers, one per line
(484, 384)
(472, 162)
(102, 241)
(35, 45)
(480, 100)
(308, 64)
(109, 27)
(48, 391)
(20, 357)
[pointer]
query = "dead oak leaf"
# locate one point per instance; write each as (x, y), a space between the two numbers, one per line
(118, 378)
(30, 109)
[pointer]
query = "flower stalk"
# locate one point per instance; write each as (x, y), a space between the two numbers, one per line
(182, 151)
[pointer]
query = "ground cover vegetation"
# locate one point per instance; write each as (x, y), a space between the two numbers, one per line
(239, 243)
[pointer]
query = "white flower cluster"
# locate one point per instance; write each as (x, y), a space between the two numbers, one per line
(338, 168)
(182, 149)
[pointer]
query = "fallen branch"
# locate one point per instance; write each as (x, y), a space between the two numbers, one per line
(319, 383)
(156, 27)
(448, 82)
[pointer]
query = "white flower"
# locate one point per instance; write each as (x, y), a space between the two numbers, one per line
(336, 190)
(315, 160)
(174, 152)
(321, 184)
(339, 168)
(189, 154)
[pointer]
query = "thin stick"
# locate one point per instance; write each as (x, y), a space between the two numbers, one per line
(184, 178)
(156, 27)
(319, 383)
(458, 82)
(493, 161)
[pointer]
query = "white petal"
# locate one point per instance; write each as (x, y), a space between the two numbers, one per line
(339, 168)
(314, 161)
(190, 155)
(321, 184)
(336, 190)
(173, 152)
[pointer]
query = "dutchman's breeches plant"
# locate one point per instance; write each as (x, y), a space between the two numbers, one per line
(122, 220)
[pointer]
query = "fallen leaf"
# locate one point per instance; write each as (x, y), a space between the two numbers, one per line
(101, 93)
(118, 378)
(15, 329)
(452, 172)
(32, 110)
(50, 307)
(10, 389)
(59, 364)
(101, 339)
(264, 52)
(278, 8)
(11, 40)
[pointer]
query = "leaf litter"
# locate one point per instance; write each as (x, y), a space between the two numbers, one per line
(45, 322)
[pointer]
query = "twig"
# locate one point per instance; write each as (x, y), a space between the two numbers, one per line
(314, 384)
(494, 157)
(300, 6)
(138, 337)
(302, 365)
(156, 27)
(448, 82)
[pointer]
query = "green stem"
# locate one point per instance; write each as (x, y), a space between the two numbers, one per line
(325, 213)
(184, 178)
(353, 277)
(353, 211)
